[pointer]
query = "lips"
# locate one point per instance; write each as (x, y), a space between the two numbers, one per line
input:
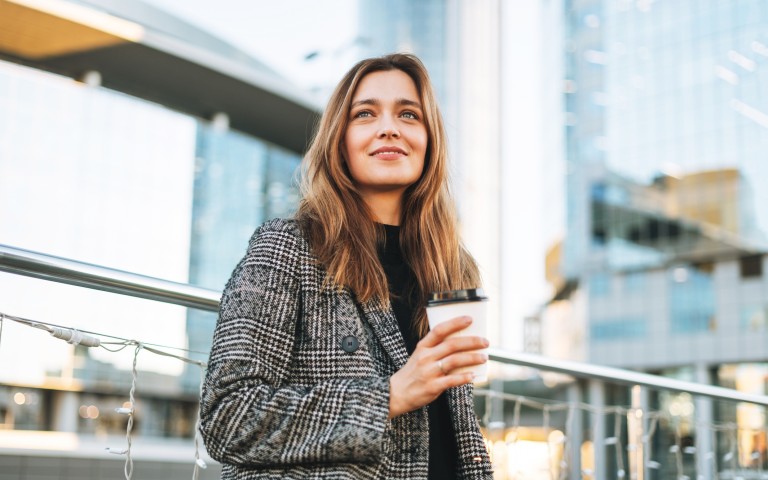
(388, 152)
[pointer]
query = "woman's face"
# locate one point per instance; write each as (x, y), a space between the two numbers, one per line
(386, 138)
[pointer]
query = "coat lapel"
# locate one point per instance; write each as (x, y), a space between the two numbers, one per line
(384, 325)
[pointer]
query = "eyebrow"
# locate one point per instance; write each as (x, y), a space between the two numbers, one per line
(377, 102)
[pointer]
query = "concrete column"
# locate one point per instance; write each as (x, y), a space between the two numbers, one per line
(65, 411)
(704, 415)
(597, 401)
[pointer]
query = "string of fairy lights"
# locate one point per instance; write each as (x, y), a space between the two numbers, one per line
(559, 449)
(116, 344)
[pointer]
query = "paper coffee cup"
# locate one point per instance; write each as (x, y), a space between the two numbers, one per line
(443, 306)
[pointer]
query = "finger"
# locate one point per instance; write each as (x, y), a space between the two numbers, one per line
(458, 344)
(459, 360)
(438, 334)
(454, 380)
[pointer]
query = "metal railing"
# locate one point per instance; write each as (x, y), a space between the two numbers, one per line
(569, 463)
(627, 377)
(62, 270)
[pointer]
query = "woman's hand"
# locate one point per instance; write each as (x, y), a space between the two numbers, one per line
(429, 371)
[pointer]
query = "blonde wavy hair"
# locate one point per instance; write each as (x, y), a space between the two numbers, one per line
(342, 231)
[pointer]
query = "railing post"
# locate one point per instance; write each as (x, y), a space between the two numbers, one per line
(645, 405)
(575, 429)
(597, 400)
(704, 417)
(636, 429)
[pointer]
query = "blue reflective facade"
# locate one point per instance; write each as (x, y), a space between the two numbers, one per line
(240, 182)
(666, 128)
(407, 26)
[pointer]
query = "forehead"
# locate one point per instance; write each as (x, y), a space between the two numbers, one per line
(389, 84)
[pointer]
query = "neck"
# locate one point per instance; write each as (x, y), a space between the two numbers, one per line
(385, 206)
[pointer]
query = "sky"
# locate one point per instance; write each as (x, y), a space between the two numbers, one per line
(275, 34)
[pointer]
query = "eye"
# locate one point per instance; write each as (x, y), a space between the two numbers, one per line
(362, 114)
(409, 115)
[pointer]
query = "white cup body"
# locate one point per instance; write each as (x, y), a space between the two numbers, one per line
(437, 314)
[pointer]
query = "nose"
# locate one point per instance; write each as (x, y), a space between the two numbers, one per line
(388, 129)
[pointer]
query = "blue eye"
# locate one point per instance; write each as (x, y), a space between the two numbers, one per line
(410, 115)
(362, 114)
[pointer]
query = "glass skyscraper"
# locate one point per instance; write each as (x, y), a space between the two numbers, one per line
(663, 261)
(405, 26)
(666, 213)
(240, 182)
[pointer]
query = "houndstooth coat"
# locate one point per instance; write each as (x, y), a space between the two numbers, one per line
(283, 400)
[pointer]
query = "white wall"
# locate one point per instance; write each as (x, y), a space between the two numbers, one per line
(494, 127)
(98, 177)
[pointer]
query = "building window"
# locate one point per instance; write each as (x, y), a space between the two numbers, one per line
(753, 318)
(618, 328)
(22, 409)
(635, 282)
(599, 285)
(751, 266)
(705, 267)
(692, 300)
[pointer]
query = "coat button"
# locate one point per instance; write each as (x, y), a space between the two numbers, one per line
(350, 343)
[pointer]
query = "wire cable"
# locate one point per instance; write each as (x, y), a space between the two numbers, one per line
(52, 326)
(90, 339)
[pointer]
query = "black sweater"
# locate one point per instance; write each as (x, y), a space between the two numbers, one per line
(402, 288)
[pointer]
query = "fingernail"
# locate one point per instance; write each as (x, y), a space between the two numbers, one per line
(467, 319)
(485, 357)
(486, 342)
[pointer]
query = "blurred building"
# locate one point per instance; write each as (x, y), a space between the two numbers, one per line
(662, 263)
(133, 140)
(666, 228)
(417, 27)
(652, 124)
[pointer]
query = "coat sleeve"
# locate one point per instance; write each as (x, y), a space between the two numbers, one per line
(251, 413)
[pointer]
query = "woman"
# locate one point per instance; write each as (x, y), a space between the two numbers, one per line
(323, 365)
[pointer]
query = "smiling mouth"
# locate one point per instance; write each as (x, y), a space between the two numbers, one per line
(389, 156)
(387, 152)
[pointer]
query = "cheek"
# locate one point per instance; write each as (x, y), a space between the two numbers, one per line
(350, 145)
(422, 168)
(424, 148)
(423, 141)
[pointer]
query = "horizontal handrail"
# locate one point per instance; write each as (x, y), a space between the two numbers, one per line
(62, 270)
(619, 375)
